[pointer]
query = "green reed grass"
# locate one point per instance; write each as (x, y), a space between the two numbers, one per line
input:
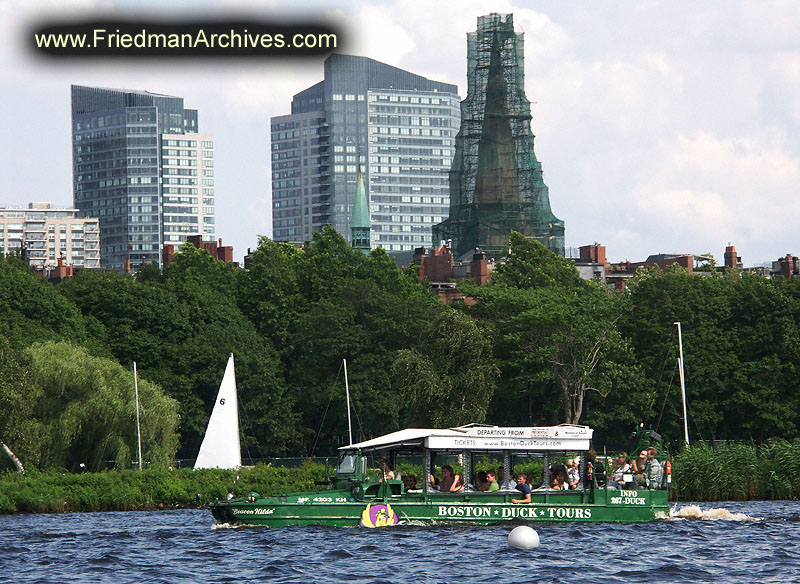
(738, 471)
(54, 492)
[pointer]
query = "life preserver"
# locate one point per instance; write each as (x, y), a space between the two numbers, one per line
(378, 516)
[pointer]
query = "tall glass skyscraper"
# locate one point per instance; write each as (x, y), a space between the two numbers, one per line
(141, 167)
(396, 127)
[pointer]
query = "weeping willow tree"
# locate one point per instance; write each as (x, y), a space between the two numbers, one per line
(81, 409)
(451, 379)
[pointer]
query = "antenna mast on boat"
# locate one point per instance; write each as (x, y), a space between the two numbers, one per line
(347, 392)
(683, 384)
(138, 429)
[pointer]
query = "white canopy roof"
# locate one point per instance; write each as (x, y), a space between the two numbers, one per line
(477, 437)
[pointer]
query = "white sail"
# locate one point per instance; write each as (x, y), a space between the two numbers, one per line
(220, 448)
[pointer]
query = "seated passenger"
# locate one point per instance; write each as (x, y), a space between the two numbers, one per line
(558, 476)
(638, 467)
(491, 481)
(524, 488)
(447, 478)
(621, 469)
(386, 471)
(410, 483)
(458, 483)
(557, 482)
(482, 485)
(505, 484)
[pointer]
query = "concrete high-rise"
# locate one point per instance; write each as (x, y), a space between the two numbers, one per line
(49, 234)
(496, 184)
(142, 168)
(398, 127)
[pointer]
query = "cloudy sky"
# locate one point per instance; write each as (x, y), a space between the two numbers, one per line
(662, 127)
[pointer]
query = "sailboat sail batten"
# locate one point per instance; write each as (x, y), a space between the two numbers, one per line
(220, 447)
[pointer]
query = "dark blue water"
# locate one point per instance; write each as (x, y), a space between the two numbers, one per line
(760, 544)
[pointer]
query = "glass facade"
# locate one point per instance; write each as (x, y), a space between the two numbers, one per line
(120, 165)
(362, 117)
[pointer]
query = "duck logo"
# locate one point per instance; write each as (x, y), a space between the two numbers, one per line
(378, 516)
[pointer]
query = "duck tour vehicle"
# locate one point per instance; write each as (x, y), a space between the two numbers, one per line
(428, 483)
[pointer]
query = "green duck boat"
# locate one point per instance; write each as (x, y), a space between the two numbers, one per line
(413, 494)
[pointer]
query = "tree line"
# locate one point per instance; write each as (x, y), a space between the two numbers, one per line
(537, 345)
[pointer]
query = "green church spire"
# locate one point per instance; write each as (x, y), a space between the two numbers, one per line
(360, 224)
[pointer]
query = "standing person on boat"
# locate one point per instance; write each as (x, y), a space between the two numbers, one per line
(653, 472)
(524, 488)
(622, 467)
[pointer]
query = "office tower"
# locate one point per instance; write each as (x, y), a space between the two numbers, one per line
(141, 167)
(398, 127)
(496, 184)
(48, 234)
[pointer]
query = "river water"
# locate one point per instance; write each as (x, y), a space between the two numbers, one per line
(722, 542)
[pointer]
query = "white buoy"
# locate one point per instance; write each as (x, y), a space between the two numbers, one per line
(523, 537)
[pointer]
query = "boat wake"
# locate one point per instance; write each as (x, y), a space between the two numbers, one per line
(696, 513)
(226, 525)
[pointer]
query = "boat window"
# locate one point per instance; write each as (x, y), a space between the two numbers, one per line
(347, 464)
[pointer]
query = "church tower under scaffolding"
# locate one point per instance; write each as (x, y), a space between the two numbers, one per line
(496, 184)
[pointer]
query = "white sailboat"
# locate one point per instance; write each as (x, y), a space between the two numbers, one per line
(220, 447)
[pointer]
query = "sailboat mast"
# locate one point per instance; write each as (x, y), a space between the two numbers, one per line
(138, 428)
(683, 384)
(347, 392)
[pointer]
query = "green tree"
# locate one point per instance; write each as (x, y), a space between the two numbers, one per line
(32, 310)
(530, 264)
(449, 378)
(77, 408)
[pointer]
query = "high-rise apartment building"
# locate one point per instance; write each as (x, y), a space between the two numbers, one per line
(395, 127)
(48, 234)
(142, 168)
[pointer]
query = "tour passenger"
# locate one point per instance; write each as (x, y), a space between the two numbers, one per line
(386, 471)
(481, 479)
(524, 488)
(621, 469)
(653, 472)
(558, 470)
(458, 483)
(410, 482)
(501, 480)
(491, 481)
(638, 467)
(573, 474)
(447, 478)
